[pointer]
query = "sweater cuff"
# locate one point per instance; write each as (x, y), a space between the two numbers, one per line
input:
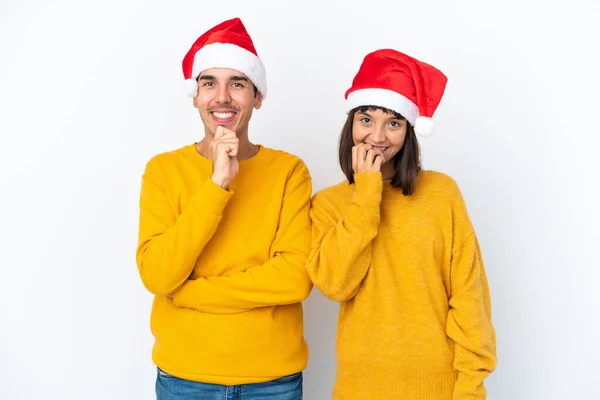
(212, 198)
(369, 183)
(469, 386)
(181, 297)
(367, 199)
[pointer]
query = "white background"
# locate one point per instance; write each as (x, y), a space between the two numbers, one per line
(89, 91)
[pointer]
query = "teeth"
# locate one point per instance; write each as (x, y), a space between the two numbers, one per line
(223, 115)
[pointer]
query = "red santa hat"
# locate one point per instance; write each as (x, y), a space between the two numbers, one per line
(227, 45)
(390, 79)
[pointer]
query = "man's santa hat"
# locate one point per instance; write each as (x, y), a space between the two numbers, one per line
(227, 45)
(390, 79)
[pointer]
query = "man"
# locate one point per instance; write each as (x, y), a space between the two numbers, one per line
(224, 235)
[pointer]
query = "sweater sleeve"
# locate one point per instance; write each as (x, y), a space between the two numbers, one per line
(281, 280)
(469, 322)
(341, 249)
(169, 245)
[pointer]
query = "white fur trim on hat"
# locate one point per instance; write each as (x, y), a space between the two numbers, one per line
(227, 55)
(384, 98)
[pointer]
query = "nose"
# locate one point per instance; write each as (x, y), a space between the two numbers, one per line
(378, 134)
(222, 95)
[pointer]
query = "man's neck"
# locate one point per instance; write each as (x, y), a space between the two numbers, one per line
(246, 149)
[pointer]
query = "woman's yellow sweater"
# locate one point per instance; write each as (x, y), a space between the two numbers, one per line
(415, 317)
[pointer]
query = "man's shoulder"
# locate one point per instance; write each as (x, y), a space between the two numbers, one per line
(282, 160)
(282, 155)
(167, 158)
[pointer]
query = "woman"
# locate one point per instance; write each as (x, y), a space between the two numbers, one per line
(395, 246)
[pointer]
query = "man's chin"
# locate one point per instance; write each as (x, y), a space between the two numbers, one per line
(232, 125)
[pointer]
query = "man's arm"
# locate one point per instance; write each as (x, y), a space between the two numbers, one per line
(169, 245)
(280, 280)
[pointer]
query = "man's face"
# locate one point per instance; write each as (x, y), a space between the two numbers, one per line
(226, 97)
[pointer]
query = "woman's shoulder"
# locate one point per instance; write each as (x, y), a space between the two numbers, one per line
(432, 181)
(339, 189)
(334, 194)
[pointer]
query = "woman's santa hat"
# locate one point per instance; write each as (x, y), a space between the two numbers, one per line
(390, 79)
(227, 45)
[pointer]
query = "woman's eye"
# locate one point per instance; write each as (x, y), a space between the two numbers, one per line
(365, 120)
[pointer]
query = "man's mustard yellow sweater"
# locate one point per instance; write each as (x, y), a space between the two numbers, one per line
(415, 317)
(227, 268)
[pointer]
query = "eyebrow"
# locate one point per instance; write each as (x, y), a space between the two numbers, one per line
(231, 78)
(390, 118)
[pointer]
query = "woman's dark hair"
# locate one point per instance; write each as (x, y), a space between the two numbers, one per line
(406, 163)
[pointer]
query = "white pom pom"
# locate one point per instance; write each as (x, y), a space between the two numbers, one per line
(191, 87)
(424, 126)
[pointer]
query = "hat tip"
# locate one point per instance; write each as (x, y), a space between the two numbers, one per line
(424, 126)
(191, 87)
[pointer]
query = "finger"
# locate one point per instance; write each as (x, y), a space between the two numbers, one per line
(231, 143)
(354, 159)
(221, 151)
(379, 153)
(231, 146)
(219, 132)
(370, 156)
(222, 142)
(229, 132)
(227, 148)
(228, 140)
(366, 148)
(233, 150)
(378, 161)
(226, 136)
(362, 153)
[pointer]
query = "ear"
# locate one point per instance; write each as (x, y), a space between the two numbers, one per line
(258, 102)
(195, 101)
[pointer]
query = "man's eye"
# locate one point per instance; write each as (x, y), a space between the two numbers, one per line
(208, 84)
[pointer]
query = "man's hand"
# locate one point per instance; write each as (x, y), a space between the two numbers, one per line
(224, 150)
(366, 159)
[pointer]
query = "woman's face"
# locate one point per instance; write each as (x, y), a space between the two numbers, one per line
(382, 130)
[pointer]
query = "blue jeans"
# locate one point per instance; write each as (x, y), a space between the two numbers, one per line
(169, 387)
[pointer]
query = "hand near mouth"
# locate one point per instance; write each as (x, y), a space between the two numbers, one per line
(366, 158)
(224, 150)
